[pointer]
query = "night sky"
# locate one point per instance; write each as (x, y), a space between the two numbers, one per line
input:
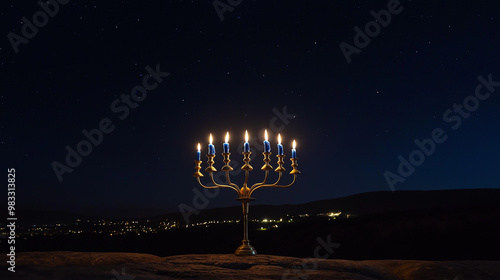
(351, 120)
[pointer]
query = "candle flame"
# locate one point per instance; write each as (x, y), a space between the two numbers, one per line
(265, 134)
(211, 139)
(199, 147)
(246, 135)
(279, 138)
(227, 137)
(294, 144)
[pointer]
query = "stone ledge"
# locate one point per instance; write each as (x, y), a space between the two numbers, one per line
(128, 266)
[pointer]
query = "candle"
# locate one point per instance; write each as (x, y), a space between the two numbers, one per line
(211, 147)
(267, 145)
(198, 154)
(226, 144)
(280, 147)
(294, 152)
(247, 145)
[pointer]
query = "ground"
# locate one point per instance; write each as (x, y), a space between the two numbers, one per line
(129, 266)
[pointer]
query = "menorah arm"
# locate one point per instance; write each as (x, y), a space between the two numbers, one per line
(232, 184)
(221, 185)
(275, 185)
(263, 182)
(216, 185)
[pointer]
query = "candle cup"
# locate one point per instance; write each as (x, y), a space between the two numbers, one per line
(226, 160)
(280, 167)
(197, 167)
(294, 166)
(246, 159)
(266, 160)
(210, 162)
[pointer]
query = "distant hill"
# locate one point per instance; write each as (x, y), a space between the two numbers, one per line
(355, 205)
(361, 204)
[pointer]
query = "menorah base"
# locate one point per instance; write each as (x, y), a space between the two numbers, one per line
(245, 250)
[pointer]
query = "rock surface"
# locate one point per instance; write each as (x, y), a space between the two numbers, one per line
(129, 266)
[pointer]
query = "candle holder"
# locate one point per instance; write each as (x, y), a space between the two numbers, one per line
(245, 192)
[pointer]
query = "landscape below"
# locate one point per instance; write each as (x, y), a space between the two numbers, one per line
(77, 265)
(412, 225)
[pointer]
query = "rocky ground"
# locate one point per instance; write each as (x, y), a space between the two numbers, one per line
(129, 266)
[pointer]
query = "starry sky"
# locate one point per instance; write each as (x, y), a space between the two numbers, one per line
(255, 65)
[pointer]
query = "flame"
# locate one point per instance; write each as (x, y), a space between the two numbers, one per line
(227, 137)
(246, 136)
(279, 139)
(199, 147)
(294, 144)
(265, 135)
(211, 139)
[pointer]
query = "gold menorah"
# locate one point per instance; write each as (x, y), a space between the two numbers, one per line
(245, 192)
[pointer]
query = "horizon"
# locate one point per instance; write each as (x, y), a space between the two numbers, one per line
(108, 212)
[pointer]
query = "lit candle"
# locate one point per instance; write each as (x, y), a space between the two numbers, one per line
(211, 147)
(280, 147)
(267, 145)
(246, 148)
(294, 152)
(198, 154)
(226, 144)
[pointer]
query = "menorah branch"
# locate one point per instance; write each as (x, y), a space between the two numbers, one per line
(266, 175)
(221, 185)
(215, 184)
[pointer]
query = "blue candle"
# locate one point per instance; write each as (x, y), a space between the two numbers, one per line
(267, 145)
(280, 147)
(246, 148)
(226, 144)
(294, 152)
(198, 153)
(211, 147)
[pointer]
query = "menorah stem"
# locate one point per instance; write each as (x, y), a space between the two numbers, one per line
(245, 249)
(246, 206)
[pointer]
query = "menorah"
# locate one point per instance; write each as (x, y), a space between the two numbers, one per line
(245, 192)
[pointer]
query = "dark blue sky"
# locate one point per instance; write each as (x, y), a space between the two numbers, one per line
(351, 120)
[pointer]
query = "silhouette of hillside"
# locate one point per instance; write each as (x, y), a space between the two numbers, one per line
(359, 204)
(355, 205)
